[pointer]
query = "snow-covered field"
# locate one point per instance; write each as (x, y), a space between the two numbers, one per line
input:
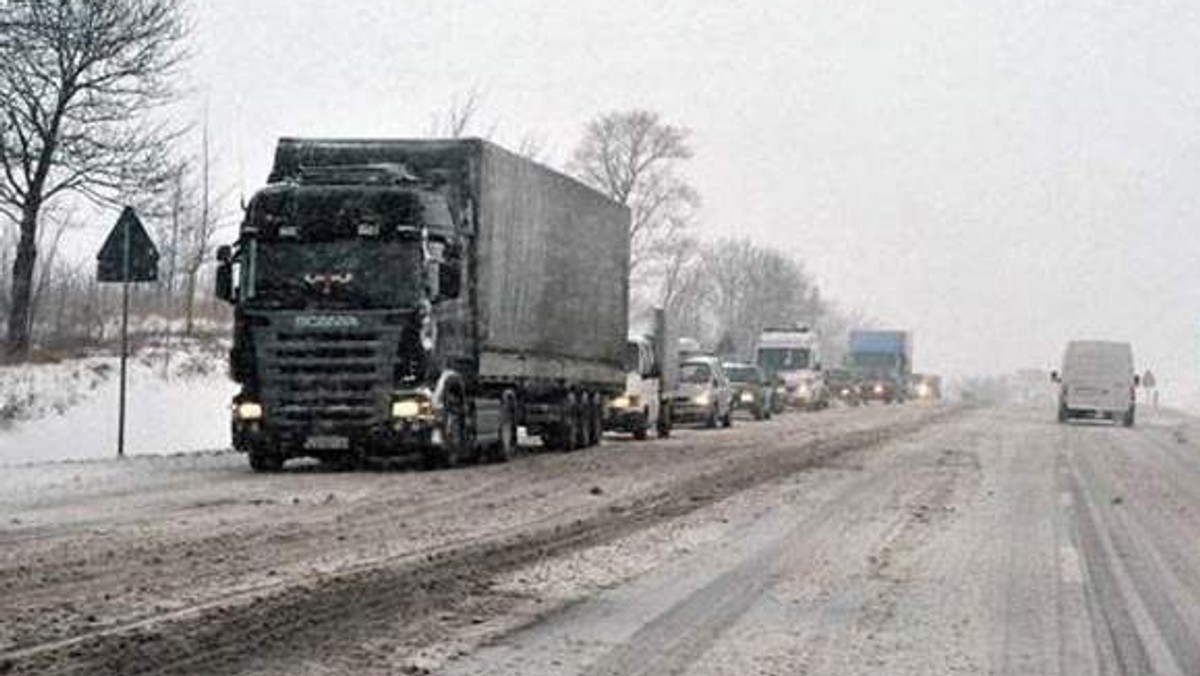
(178, 401)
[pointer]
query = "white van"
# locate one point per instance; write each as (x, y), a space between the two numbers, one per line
(1097, 381)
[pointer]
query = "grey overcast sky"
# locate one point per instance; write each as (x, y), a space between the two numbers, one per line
(998, 176)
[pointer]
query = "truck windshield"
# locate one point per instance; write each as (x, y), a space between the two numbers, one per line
(873, 361)
(743, 374)
(784, 358)
(694, 373)
(359, 274)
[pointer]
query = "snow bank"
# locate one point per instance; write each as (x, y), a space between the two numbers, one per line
(178, 401)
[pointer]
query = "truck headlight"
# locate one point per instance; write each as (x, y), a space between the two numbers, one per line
(248, 410)
(747, 397)
(878, 388)
(411, 408)
(702, 399)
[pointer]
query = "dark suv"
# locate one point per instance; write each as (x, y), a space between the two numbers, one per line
(751, 392)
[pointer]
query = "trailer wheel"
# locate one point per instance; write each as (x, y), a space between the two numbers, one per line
(560, 436)
(595, 413)
(581, 414)
(506, 444)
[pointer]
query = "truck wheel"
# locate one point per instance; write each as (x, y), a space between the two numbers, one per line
(265, 461)
(758, 413)
(596, 427)
(455, 443)
(580, 413)
(506, 444)
(560, 436)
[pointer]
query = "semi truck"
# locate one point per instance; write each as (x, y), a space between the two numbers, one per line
(790, 358)
(422, 297)
(882, 362)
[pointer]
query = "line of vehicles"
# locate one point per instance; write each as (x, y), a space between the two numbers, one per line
(431, 297)
(786, 374)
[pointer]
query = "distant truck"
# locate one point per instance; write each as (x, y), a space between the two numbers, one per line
(649, 369)
(882, 362)
(1097, 381)
(401, 297)
(791, 360)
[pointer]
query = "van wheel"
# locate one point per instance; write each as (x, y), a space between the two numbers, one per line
(640, 432)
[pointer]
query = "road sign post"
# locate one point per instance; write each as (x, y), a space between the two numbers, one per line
(128, 255)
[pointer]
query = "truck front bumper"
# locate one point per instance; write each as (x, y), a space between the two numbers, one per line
(394, 438)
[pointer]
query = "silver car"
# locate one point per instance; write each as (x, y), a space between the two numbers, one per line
(702, 393)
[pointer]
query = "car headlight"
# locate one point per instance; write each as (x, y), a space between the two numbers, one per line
(248, 410)
(878, 388)
(747, 397)
(625, 401)
(702, 399)
(411, 407)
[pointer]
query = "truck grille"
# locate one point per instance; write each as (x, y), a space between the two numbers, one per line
(326, 379)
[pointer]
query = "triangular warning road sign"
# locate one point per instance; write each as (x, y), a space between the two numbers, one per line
(128, 238)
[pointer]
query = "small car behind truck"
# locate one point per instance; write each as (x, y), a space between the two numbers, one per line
(751, 391)
(702, 393)
(1097, 381)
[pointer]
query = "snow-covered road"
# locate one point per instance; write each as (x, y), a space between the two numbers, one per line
(903, 540)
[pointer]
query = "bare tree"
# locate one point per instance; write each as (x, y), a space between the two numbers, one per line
(77, 81)
(459, 117)
(196, 239)
(635, 158)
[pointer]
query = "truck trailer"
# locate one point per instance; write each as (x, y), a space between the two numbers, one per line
(422, 297)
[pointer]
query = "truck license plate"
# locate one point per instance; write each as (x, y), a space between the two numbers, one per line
(327, 443)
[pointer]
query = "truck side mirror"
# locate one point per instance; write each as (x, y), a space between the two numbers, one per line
(224, 280)
(449, 279)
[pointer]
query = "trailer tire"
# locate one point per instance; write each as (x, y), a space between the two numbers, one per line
(595, 420)
(581, 414)
(505, 447)
(560, 436)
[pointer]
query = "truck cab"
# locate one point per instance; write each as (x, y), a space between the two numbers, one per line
(346, 284)
(791, 360)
